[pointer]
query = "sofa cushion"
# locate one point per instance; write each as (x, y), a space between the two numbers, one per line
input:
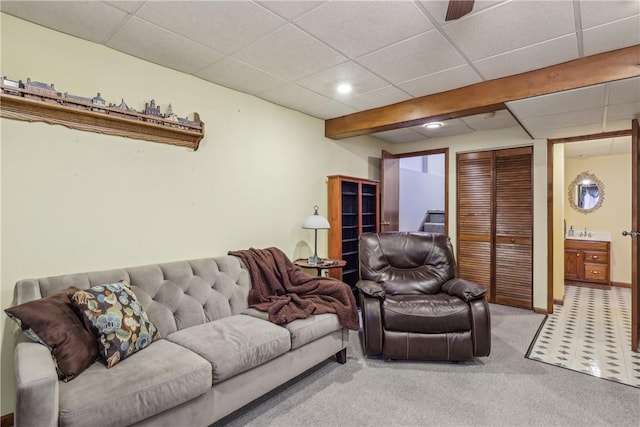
(310, 329)
(234, 344)
(163, 376)
(52, 321)
(121, 324)
(426, 314)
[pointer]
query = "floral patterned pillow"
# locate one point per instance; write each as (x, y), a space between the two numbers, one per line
(121, 323)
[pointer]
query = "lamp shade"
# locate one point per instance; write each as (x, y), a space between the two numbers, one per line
(316, 221)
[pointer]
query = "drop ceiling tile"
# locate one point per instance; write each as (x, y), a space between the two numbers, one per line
(616, 35)
(325, 82)
(419, 56)
(623, 111)
(544, 133)
(561, 102)
(624, 91)
(509, 26)
(590, 148)
(621, 145)
(529, 58)
(293, 96)
(449, 131)
(377, 98)
(438, 8)
(489, 121)
(237, 75)
(450, 128)
(213, 23)
(592, 116)
(399, 136)
(594, 13)
(290, 9)
(359, 27)
(290, 54)
(93, 21)
(613, 125)
(442, 81)
(163, 47)
(328, 110)
(129, 6)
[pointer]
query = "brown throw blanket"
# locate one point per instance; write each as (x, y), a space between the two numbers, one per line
(287, 293)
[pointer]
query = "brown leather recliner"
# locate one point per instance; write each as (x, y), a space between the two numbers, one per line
(413, 306)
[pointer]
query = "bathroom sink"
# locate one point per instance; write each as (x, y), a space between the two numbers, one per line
(600, 236)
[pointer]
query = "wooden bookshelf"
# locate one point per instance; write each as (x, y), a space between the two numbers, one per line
(353, 210)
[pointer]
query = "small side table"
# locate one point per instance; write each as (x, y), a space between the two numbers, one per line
(325, 264)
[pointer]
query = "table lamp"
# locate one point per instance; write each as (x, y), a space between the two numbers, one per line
(315, 222)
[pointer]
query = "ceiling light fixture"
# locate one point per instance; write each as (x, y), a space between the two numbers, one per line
(433, 125)
(344, 88)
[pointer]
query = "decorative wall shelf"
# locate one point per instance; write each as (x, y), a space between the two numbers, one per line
(108, 121)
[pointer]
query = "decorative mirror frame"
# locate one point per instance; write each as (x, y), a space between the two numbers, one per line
(582, 176)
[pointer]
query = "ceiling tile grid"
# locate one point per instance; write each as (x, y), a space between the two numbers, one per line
(295, 53)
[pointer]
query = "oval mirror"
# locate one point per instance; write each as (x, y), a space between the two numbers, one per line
(586, 192)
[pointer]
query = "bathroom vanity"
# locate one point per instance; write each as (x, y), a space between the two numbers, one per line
(587, 261)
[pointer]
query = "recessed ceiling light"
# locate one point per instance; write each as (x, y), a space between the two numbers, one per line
(433, 125)
(344, 88)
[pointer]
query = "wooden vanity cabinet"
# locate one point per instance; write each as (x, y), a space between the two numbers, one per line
(587, 261)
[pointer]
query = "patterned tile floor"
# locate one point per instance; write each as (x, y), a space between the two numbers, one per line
(590, 333)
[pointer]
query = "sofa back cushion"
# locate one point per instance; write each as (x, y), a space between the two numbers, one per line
(175, 295)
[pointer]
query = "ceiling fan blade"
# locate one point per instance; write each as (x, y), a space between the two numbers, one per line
(458, 8)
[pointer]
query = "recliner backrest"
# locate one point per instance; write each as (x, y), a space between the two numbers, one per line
(407, 262)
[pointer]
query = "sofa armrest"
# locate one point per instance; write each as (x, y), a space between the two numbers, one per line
(36, 386)
(371, 288)
(464, 289)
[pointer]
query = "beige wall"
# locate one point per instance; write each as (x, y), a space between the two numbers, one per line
(614, 215)
(487, 140)
(76, 201)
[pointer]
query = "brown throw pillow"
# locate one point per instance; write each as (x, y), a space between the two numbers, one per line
(52, 321)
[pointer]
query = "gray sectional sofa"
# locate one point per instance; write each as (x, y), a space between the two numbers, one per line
(214, 357)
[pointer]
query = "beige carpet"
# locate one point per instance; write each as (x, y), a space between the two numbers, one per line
(504, 389)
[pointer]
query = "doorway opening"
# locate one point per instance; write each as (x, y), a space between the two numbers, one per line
(421, 193)
(567, 160)
(414, 191)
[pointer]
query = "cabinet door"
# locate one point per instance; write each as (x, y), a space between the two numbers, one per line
(514, 227)
(475, 212)
(572, 264)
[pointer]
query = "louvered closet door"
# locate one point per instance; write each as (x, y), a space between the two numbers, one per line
(514, 227)
(475, 212)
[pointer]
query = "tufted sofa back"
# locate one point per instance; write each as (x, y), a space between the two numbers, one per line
(407, 263)
(175, 295)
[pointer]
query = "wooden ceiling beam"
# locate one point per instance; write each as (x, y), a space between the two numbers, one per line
(490, 95)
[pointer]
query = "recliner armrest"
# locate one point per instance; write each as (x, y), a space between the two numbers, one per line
(371, 288)
(464, 289)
